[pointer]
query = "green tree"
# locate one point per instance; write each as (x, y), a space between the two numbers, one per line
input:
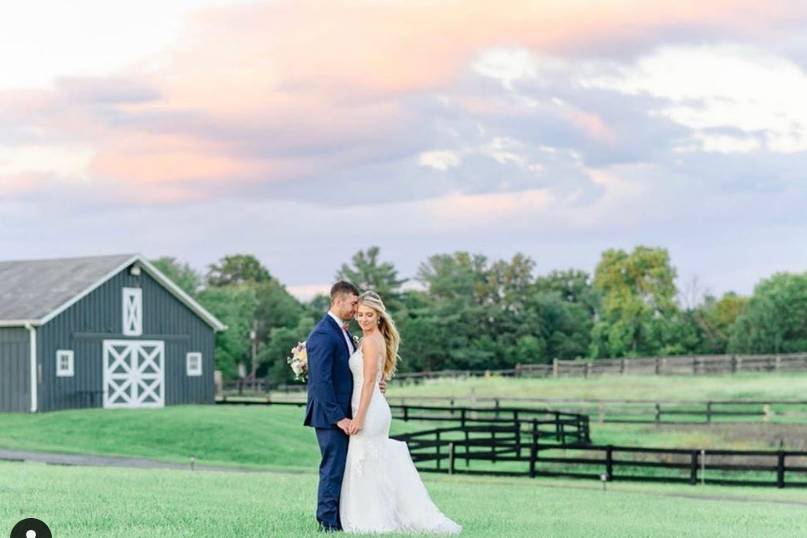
(369, 273)
(714, 319)
(181, 274)
(638, 302)
(234, 306)
(775, 318)
(237, 269)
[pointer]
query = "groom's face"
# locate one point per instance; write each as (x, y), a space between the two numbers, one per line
(345, 306)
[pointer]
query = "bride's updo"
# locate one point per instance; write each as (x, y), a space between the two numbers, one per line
(392, 339)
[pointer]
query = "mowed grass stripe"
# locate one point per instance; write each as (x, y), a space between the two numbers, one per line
(80, 502)
(263, 436)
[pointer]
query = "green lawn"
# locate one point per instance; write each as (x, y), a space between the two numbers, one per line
(789, 386)
(261, 436)
(80, 502)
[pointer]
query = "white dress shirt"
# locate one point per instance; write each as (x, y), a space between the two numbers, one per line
(341, 322)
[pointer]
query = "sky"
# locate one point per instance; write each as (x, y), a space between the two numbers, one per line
(303, 131)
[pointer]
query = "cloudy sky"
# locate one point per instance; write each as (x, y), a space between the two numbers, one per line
(302, 131)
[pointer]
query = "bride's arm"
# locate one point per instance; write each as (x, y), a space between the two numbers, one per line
(369, 352)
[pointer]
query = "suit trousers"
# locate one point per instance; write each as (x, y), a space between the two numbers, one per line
(333, 447)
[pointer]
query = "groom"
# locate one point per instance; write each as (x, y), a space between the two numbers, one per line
(330, 387)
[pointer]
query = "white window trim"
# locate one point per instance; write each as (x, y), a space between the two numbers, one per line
(60, 354)
(132, 316)
(193, 355)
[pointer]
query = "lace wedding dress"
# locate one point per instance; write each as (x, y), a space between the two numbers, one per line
(381, 489)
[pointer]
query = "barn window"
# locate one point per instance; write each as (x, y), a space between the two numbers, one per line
(194, 363)
(64, 363)
(132, 311)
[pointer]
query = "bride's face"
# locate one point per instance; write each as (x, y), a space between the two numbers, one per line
(366, 317)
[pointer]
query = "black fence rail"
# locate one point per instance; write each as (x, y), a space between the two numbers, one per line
(528, 448)
(567, 428)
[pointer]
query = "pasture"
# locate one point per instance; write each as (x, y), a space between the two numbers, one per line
(83, 501)
(745, 386)
(278, 499)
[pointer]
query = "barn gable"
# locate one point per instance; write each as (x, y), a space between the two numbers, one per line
(108, 331)
(32, 292)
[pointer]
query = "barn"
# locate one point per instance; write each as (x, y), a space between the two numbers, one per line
(102, 331)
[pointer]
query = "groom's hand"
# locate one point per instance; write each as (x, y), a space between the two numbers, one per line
(344, 425)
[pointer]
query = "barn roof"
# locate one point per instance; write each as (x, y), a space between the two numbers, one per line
(35, 291)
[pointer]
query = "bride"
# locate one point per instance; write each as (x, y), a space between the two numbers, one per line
(381, 489)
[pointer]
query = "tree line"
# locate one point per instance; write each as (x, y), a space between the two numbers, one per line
(465, 311)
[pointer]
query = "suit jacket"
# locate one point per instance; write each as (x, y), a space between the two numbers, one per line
(330, 383)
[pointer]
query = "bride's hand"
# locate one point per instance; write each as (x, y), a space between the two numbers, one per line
(355, 426)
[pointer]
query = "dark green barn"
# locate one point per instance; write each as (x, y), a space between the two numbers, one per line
(104, 331)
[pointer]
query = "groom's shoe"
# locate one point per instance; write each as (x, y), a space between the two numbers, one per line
(327, 528)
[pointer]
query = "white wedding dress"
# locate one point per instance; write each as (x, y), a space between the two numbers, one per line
(381, 489)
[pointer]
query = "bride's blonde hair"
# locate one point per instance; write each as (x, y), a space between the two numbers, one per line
(392, 338)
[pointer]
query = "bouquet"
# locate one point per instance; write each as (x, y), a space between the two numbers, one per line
(299, 361)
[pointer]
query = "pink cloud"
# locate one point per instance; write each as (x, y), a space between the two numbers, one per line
(308, 87)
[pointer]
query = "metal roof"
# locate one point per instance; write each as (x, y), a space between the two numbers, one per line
(35, 291)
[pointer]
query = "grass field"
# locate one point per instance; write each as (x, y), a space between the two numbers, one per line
(265, 437)
(790, 386)
(80, 502)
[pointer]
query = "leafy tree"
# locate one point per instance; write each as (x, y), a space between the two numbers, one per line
(714, 318)
(234, 306)
(775, 318)
(638, 302)
(181, 274)
(237, 269)
(368, 273)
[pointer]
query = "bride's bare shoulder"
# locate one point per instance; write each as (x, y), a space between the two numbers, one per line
(373, 344)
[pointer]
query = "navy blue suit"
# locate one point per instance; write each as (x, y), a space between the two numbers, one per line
(330, 387)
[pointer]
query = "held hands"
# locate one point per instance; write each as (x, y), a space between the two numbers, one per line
(355, 425)
(345, 424)
(350, 427)
(382, 386)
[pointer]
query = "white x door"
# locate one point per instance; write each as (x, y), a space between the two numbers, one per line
(133, 373)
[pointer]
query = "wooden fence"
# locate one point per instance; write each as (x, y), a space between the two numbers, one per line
(518, 441)
(541, 453)
(675, 365)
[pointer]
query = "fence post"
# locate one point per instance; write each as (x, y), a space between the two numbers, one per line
(694, 365)
(780, 470)
(493, 444)
(733, 364)
(693, 470)
(623, 366)
(534, 448)
(451, 455)
(467, 450)
(406, 412)
(658, 413)
(658, 365)
(438, 451)
(518, 437)
(609, 463)
(557, 426)
(778, 363)
(709, 412)
(588, 370)
(703, 467)
(554, 367)
(496, 406)
(462, 417)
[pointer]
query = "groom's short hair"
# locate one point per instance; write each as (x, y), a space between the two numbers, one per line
(343, 287)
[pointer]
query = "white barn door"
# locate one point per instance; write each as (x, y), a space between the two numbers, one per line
(133, 373)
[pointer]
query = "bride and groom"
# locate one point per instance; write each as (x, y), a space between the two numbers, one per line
(367, 481)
